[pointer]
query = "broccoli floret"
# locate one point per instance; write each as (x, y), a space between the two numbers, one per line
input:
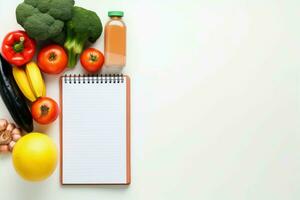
(44, 19)
(43, 26)
(59, 9)
(60, 39)
(84, 26)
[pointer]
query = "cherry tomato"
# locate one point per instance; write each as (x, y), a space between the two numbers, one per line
(45, 110)
(92, 60)
(52, 59)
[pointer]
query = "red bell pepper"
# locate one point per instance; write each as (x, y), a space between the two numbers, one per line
(18, 48)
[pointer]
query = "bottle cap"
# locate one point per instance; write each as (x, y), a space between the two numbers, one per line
(115, 13)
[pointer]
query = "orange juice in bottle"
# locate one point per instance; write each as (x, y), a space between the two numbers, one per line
(115, 40)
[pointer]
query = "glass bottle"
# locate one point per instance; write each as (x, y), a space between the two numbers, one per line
(115, 40)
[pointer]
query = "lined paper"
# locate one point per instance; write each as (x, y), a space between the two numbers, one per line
(94, 133)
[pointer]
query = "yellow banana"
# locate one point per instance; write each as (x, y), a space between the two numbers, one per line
(23, 83)
(35, 79)
(30, 81)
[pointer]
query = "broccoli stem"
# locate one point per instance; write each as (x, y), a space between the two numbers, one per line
(74, 46)
(72, 58)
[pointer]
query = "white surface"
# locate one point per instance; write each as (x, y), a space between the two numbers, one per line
(94, 132)
(215, 105)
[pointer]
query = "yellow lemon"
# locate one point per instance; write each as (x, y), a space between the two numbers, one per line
(35, 157)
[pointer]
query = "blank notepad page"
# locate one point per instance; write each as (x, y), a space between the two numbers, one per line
(94, 137)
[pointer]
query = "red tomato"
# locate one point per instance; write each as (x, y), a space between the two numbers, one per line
(45, 110)
(92, 60)
(52, 59)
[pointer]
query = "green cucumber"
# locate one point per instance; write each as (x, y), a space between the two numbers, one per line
(13, 98)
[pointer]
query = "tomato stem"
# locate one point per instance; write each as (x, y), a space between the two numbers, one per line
(93, 57)
(44, 110)
(52, 56)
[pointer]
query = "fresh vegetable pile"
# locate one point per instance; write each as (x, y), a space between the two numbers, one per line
(61, 22)
(67, 30)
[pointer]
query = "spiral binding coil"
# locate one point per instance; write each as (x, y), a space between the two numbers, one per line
(92, 79)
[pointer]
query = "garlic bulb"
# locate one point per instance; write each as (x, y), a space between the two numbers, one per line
(9, 135)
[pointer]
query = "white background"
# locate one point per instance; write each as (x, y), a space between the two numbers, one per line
(215, 107)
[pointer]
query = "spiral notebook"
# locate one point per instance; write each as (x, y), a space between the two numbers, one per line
(95, 129)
